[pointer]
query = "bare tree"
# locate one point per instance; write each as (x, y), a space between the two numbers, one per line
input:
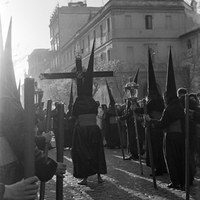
(189, 65)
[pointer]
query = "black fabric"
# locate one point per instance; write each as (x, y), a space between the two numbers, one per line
(171, 92)
(157, 136)
(87, 147)
(87, 152)
(68, 130)
(173, 112)
(135, 80)
(44, 170)
(156, 104)
(152, 89)
(175, 156)
(174, 141)
(112, 130)
(88, 81)
(40, 142)
(84, 105)
(112, 101)
(12, 125)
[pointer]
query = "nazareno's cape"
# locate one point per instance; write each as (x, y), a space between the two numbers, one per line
(173, 112)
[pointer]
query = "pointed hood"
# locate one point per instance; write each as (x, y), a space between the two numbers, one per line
(170, 89)
(152, 89)
(88, 81)
(1, 42)
(18, 89)
(112, 101)
(135, 80)
(71, 100)
(9, 81)
(1, 57)
(11, 111)
(79, 80)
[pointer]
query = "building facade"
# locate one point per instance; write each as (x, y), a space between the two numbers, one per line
(64, 23)
(39, 61)
(123, 30)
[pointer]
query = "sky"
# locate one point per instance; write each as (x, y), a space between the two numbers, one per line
(30, 27)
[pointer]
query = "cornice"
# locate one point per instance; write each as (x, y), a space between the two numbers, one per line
(137, 5)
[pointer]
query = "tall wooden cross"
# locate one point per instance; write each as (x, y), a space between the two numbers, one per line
(78, 74)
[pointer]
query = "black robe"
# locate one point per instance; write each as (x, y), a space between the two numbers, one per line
(69, 127)
(172, 121)
(112, 129)
(87, 148)
(155, 108)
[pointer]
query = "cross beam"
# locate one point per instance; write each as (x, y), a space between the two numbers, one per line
(74, 75)
(78, 75)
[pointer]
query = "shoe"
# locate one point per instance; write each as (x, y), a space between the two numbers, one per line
(128, 158)
(51, 147)
(172, 186)
(83, 182)
(135, 157)
(100, 180)
(158, 173)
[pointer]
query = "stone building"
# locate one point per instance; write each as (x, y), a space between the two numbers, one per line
(39, 61)
(124, 29)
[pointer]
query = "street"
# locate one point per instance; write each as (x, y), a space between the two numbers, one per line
(122, 181)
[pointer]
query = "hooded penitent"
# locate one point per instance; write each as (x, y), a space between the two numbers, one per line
(155, 101)
(170, 89)
(152, 89)
(85, 104)
(7, 72)
(11, 111)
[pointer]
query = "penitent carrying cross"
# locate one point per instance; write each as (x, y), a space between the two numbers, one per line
(79, 75)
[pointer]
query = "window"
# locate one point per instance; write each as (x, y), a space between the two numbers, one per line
(128, 22)
(129, 55)
(83, 46)
(94, 34)
(168, 22)
(108, 55)
(148, 22)
(189, 44)
(108, 25)
(102, 57)
(101, 34)
(88, 43)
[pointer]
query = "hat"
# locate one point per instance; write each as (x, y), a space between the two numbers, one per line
(8, 82)
(152, 89)
(170, 89)
(11, 111)
(112, 101)
(88, 81)
(136, 76)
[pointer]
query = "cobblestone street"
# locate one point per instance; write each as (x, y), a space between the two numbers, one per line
(123, 181)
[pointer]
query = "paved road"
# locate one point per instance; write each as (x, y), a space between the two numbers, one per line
(123, 181)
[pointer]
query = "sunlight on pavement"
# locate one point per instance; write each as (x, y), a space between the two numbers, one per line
(159, 184)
